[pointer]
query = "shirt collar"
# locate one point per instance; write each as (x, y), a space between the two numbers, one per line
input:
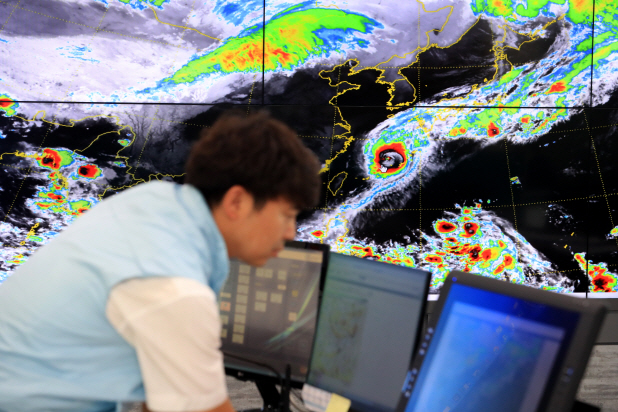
(216, 255)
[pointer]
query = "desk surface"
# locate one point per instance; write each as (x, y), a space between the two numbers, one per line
(599, 386)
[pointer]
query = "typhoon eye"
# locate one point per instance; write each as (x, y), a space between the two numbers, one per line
(390, 159)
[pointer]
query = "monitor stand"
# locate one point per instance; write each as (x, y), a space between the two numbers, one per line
(579, 406)
(273, 400)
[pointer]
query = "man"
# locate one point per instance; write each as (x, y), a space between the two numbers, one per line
(121, 306)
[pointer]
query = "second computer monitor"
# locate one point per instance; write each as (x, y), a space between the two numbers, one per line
(370, 318)
(269, 313)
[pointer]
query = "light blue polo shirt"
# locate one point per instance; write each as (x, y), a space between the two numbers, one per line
(58, 352)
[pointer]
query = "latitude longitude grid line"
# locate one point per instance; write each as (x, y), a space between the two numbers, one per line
(332, 144)
(496, 63)
(6, 165)
(545, 273)
(553, 272)
(263, 62)
(447, 139)
(417, 97)
(263, 49)
(12, 85)
(96, 29)
(592, 151)
(592, 55)
(305, 136)
(16, 6)
(485, 206)
(378, 67)
(323, 105)
(451, 139)
(325, 137)
(433, 209)
(132, 168)
(488, 206)
(588, 128)
(596, 159)
(27, 175)
(588, 168)
(8, 18)
(158, 107)
(508, 166)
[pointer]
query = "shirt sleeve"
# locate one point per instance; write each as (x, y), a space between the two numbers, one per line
(173, 324)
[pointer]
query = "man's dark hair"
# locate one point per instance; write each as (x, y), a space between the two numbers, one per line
(258, 153)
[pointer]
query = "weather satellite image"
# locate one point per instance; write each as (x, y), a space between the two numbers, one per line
(454, 134)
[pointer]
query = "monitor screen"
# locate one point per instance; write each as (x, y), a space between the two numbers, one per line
(472, 135)
(370, 317)
(494, 350)
(268, 313)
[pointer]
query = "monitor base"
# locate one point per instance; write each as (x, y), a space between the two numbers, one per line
(579, 406)
(274, 401)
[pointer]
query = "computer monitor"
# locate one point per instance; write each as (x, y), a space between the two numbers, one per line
(370, 318)
(503, 347)
(268, 313)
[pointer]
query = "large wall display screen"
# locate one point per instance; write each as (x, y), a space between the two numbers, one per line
(465, 134)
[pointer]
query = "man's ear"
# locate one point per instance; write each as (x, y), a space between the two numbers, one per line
(236, 203)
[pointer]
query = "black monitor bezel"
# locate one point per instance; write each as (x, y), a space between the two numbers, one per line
(260, 375)
(562, 387)
(355, 405)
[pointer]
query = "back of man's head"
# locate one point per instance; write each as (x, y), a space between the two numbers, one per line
(258, 153)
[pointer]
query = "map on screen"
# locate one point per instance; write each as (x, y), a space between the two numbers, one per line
(465, 134)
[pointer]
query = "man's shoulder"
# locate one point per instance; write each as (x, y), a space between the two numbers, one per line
(143, 204)
(145, 197)
(152, 206)
(156, 187)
